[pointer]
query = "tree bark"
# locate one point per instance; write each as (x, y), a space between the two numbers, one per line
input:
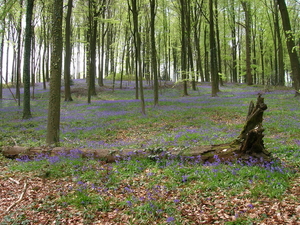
(279, 49)
(213, 53)
(290, 42)
(93, 25)
(1, 64)
(137, 44)
(26, 66)
(184, 72)
(233, 43)
(153, 50)
(18, 69)
(246, 7)
(68, 53)
(55, 79)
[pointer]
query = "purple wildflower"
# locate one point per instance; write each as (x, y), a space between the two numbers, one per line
(170, 219)
(23, 158)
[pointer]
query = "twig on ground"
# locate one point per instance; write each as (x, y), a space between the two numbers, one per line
(13, 180)
(69, 140)
(20, 198)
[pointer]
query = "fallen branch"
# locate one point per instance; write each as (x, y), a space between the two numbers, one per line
(14, 141)
(13, 180)
(20, 198)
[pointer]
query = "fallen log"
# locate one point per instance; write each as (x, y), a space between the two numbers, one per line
(249, 144)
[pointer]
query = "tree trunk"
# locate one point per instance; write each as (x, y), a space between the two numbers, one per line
(197, 26)
(93, 25)
(262, 58)
(1, 64)
(68, 53)
(206, 56)
(26, 66)
(55, 79)
(153, 50)
(290, 42)
(184, 72)
(218, 46)
(213, 53)
(189, 45)
(137, 43)
(279, 50)
(246, 7)
(18, 81)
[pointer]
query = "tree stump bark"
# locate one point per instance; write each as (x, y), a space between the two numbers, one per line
(251, 137)
(249, 144)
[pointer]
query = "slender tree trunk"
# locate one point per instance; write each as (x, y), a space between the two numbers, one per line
(262, 58)
(44, 62)
(107, 51)
(206, 56)
(153, 50)
(290, 42)
(246, 7)
(7, 57)
(279, 50)
(33, 61)
(137, 41)
(213, 52)
(175, 60)
(183, 8)
(254, 60)
(1, 61)
(93, 25)
(101, 66)
(55, 80)
(18, 81)
(78, 55)
(124, 60)
(218, 46)
(191, 68)
(68, 53)
(197, 28)
(234, 44)
(26, 68)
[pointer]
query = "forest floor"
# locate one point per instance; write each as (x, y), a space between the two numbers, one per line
(70, 189)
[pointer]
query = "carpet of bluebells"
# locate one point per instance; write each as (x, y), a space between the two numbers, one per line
(71, 189)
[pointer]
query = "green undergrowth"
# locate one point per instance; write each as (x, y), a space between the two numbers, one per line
(154, 188)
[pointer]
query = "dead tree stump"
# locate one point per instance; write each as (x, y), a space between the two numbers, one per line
(251, 137)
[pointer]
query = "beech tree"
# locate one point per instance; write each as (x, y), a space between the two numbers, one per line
(184, 40)
(246, 8)
(133, 6)
(55, 74)
(213, 52)
(153, 49)
(27, 53)
(290, 43)
(68, 53)
(2, 32)
(1, 63)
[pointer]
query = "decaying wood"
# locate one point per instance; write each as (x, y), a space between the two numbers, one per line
(248, 144)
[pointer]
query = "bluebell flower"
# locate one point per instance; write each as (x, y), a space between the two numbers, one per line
(170, 219)
(23, 158)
